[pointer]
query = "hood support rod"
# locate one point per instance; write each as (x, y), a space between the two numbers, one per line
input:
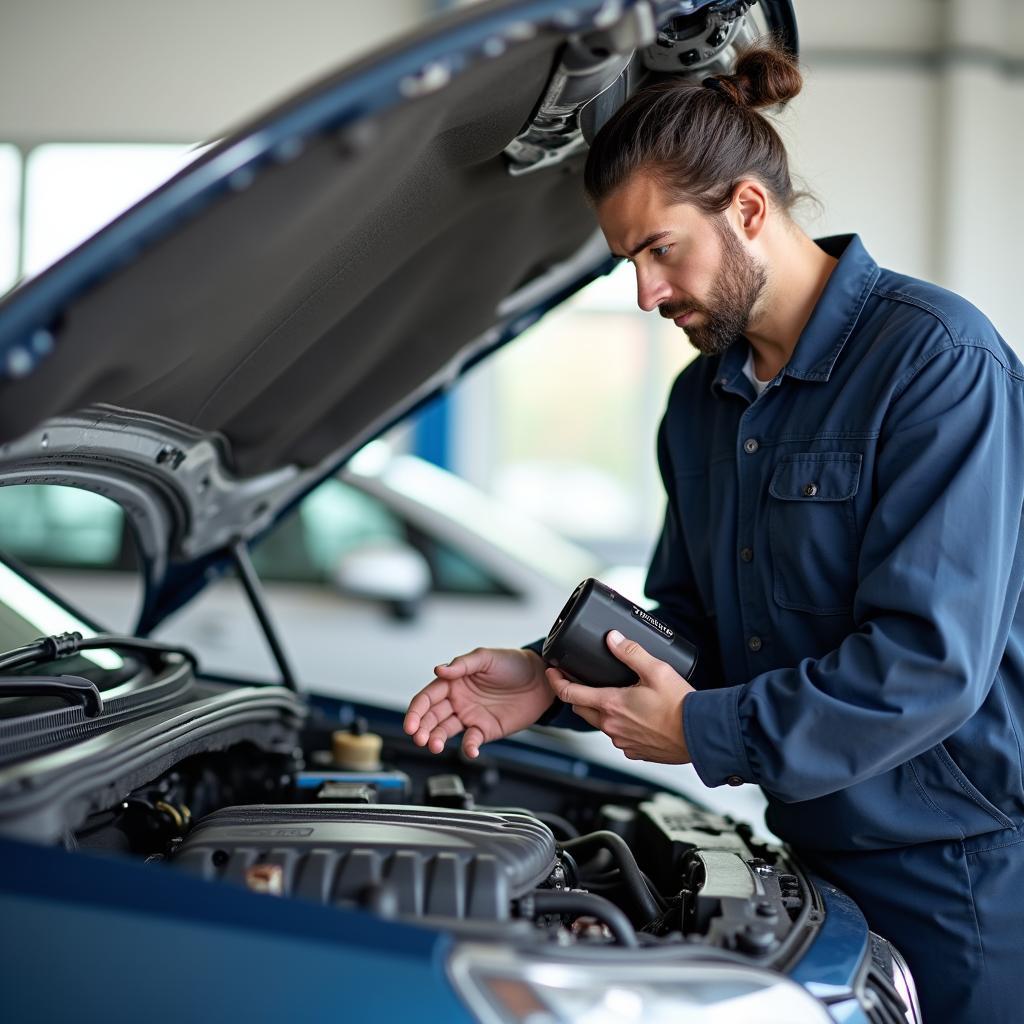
(254, 591)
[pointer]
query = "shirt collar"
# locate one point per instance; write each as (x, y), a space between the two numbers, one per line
(832, 319)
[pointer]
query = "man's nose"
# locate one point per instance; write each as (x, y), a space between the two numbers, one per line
(651, 290)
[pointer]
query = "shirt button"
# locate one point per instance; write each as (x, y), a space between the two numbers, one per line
(811, 490)
(734, 780)
(754, 643)
(747, 554)
(751, 445)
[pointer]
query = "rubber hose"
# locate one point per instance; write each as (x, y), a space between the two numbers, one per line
(554, 901)
(645, 907)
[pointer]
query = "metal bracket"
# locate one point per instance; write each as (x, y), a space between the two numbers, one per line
(592, 64)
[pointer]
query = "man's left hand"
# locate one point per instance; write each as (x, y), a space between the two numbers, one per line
(645, 721)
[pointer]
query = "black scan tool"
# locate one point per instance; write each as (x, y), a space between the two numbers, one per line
(576, 644)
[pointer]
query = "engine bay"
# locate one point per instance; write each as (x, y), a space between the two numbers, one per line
(326, 802)
(356, 819)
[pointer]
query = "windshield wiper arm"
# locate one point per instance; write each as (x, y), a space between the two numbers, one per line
(73, 689)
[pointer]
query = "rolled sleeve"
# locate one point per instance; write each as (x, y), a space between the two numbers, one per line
(714, 737)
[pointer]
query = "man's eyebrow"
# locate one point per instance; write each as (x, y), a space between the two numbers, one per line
(649, 240)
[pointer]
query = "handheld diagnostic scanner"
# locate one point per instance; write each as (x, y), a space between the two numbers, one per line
(576, 643)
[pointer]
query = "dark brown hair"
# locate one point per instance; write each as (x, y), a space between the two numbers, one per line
(698, 140)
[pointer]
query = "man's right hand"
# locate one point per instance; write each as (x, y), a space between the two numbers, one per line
(489, 693)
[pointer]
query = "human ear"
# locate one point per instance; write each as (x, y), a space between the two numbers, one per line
(750, 207)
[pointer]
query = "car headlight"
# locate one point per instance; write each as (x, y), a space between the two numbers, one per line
(502, 985)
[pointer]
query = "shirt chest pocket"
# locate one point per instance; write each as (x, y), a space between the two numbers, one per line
(812, 530)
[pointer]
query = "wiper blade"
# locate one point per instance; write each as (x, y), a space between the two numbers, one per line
(73, 689)
(63, 645)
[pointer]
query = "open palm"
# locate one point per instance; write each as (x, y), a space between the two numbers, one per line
(487, 693)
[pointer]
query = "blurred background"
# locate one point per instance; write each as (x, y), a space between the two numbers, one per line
(909, 131)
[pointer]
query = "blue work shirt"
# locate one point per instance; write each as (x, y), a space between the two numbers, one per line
(845, 549)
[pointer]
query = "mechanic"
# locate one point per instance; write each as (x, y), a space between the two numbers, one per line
(844, 467)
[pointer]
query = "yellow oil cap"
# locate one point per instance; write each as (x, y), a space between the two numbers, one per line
(356, 752)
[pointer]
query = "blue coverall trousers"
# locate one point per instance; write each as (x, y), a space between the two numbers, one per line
(955, 910)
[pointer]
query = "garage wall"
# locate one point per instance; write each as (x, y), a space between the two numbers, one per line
(150, 70)
(910, 131)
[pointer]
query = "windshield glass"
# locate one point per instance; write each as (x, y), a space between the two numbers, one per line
(27, 613)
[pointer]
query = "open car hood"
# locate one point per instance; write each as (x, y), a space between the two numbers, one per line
(224, 345)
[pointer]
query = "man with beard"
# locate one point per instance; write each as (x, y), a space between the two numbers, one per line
(842, 541)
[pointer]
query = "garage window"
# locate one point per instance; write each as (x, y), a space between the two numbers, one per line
(73, 189)
(576, 405)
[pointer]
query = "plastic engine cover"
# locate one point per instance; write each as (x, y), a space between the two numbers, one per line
(420, 861)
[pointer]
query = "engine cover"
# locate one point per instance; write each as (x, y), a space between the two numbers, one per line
(416, 860)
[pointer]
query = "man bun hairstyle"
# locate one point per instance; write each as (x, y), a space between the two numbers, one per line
(765, 76)
(699, 139)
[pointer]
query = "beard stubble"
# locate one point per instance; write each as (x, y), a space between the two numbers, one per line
(740, 282)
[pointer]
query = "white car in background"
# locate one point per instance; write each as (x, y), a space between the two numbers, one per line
(394, 563)
(399, 565)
